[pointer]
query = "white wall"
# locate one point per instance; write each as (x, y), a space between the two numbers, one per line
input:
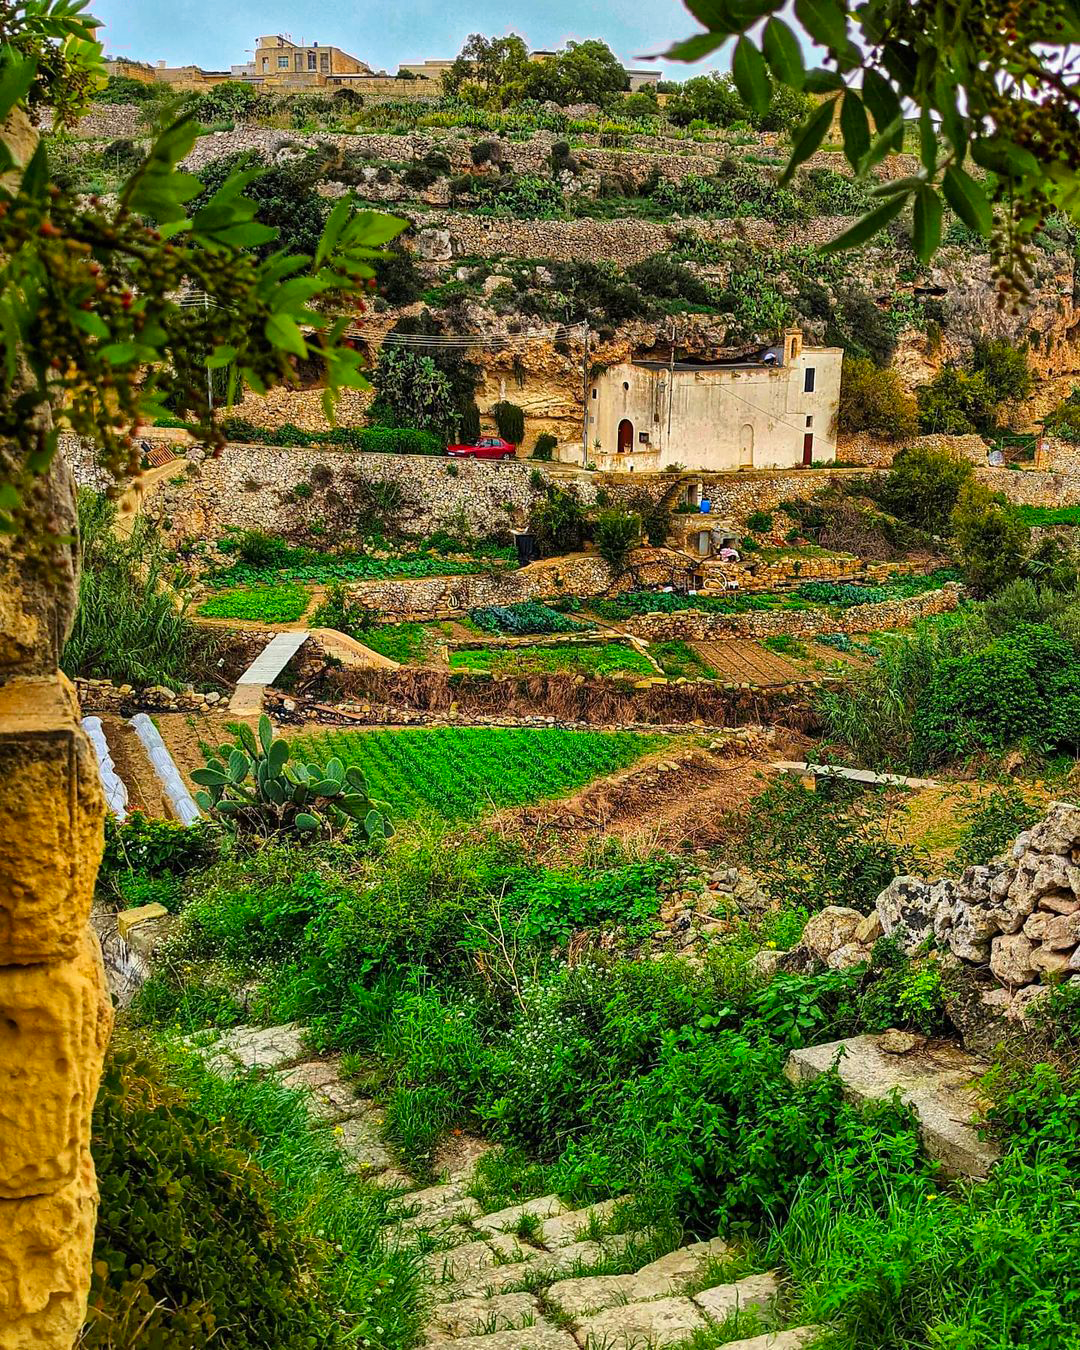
(717, 419)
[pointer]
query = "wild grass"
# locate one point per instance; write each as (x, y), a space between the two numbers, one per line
(132, 624)
(375, 1286)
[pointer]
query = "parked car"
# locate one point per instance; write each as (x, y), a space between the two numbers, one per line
(487, 447)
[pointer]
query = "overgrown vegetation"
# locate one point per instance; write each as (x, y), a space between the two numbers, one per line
(131, 625)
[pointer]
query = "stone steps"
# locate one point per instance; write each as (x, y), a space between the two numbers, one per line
(522, 1277)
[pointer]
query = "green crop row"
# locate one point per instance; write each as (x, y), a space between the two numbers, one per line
(284, 603)
(460, 773)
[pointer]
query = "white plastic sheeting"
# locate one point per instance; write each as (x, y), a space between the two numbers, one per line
(112, 785)
(180, 799)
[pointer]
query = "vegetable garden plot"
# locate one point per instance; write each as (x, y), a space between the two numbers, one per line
(459, 773)
(610, 658)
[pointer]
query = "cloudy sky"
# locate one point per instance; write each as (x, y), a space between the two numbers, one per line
(214, 35)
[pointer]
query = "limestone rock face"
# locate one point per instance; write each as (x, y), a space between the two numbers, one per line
(1010, 959)
(830, 929)
(906, 911)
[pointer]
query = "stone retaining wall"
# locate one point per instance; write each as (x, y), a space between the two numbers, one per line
(458, 235)
(693, 624)
(1032, 487)
(866, 447)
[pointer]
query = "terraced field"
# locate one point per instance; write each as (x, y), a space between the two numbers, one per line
(461, 773)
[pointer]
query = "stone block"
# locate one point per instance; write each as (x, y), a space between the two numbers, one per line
(504, 1220)
(938, 1081)
(831, 928)
(331, 1097)
(540, 1336)
(477, 1316)
(798, 1338)
(51, 822)
(55, 1026)
(725, 1300)
(360, 1138)
(129, 919)
(1011, 959)
(45, 1257)
(641, 1326)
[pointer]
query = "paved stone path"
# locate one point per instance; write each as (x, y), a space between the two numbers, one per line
(267, 666)
(524, 1277)
(852, 775)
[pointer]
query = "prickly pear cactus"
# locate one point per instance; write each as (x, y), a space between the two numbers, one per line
(254, 786)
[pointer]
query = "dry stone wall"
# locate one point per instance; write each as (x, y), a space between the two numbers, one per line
(866, 448)
(250, 487)
(1032, 487)
(695, 625)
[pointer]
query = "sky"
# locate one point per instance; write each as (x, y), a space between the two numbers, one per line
(215, 34)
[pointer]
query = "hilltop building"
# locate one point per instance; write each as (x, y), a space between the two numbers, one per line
(775, 409)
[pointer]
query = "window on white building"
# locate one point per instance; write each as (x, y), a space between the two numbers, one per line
(312, 64)
(808, 380)
(283, 63)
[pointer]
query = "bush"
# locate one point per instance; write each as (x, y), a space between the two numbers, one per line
(875, 400)
(956, 403)
(398, 278)
(991, 539)
(759, 522)
(1004, 369)
(510, 421)
(129, 626)
(252, 786)
(661, 277)
(615, 534)
(396, 441)
(557, 523)
(187, 1239)
(1024, 686)
(923, 487)
(545, 446)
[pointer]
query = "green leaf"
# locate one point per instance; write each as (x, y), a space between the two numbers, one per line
(89, 322)
(927, 142)
(880, 97)
(375, 825)
(304, 821)
(867, 226)
(751, 76)
(285, 333)
(855, 128)
(119, 353)
(335, 769)
(16, 76)
(808, 138)
(825, 21)
(821, 81)
(266, 733)
(967, 199)
(696, 48)
(277, 756)
(926, 233)
(783, 53)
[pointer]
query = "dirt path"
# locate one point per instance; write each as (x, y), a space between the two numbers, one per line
(673, 800)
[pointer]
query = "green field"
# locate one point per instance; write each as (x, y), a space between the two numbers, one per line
(610, 658)
(460, 774)
(1049, 515)
(268, 604)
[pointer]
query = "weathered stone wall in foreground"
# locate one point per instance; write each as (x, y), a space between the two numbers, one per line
(55, 1014)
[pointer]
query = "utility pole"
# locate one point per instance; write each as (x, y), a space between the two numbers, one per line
(585, 395)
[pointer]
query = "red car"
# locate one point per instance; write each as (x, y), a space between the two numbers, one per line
(487, 447)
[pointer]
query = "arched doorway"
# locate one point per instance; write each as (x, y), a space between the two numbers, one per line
(746, 446)
(626, 436)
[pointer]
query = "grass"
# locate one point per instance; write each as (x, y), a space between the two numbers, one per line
(284, 603)
(1049, 515)
(327, 567)
(460, 773)
(679, 661)
(593, 659)
(373, 1284)
(131, 625)
(405, 643)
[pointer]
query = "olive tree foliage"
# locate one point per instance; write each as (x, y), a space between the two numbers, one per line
(91, 322)
(992, 85)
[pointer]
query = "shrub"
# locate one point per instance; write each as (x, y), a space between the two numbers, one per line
(875, 400)
(187, 1239)
(759, 522)
(557, 523)
(991, 539)
(661, 277)
(956, 403)
(992, 825)
(419, 176)
(510, 420)
(131, 624)
(544, 447)
(398, 278)
(154, 848)
(396, 441)
(615, 534)
(1063, 420)
(1024, 686)
(309, 800)
(1004, 369)
(923, 486)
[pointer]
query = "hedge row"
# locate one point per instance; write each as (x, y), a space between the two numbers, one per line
(364, 440)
